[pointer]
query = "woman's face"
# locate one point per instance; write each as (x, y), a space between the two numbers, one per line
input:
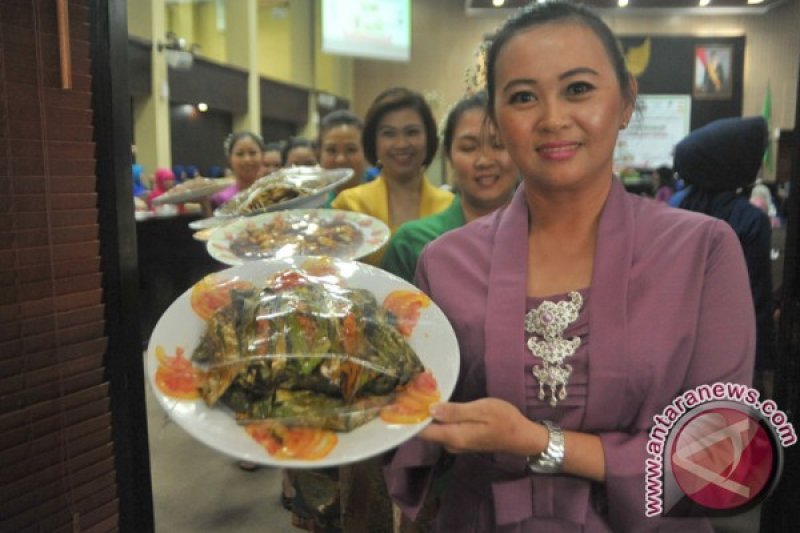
(245, 161)
(301, 156)
(484, 172)
(559, 105)
(401, 144)
(340, 147)
(272, 161)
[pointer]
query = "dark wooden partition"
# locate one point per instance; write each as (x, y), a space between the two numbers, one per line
(123, 361)
(779, 511)
(57, 465)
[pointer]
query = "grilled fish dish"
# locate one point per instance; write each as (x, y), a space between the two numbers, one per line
(305, 353)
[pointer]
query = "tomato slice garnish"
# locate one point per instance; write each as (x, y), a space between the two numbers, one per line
(397, 413)
(288, 279)
(406, 306)
(281, 442)
(212, 293)
(412, 405)
(175, 376)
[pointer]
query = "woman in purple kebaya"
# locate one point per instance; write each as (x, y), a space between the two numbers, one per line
(581, 310)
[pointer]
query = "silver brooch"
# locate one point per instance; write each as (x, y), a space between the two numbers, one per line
(548, 323)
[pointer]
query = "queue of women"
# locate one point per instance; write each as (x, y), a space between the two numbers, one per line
(581, 311)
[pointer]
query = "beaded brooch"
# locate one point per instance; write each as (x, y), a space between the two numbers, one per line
(547, 323)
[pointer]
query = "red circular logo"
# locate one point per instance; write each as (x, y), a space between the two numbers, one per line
(722, 458)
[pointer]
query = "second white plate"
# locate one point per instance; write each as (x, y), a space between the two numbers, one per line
(282, 234)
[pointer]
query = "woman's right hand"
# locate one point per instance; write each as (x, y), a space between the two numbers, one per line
(485, 425)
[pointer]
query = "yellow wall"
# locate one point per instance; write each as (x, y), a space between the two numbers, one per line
(274, 58)
(180, 21)
(140, 19)
(210, 39)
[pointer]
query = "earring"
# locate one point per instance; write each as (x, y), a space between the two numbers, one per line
(623, 125)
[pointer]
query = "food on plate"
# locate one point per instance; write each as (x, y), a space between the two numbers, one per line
(277, 190)
(193, 189)
(406, 306)
(176, 376)
(213, 292)
(305, 353)
(413, 403)
(289, 235)
(284, 442)
(270, 194)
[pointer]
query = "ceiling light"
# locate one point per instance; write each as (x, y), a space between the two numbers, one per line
(704, 3)
(622, 3)
(754, 1)
(202, 107)
(498, 3)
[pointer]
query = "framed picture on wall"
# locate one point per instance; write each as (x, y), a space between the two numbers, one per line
(712, 71)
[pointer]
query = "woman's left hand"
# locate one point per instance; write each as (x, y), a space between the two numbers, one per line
(485, 425)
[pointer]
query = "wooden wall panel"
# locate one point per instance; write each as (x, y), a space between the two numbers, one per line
(56, 458)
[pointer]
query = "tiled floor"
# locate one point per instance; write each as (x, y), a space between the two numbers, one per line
(197, 490)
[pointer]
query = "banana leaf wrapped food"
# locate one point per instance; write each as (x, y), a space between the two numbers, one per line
(306, 353)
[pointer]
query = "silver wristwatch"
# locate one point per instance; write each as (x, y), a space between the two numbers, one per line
(552, 458)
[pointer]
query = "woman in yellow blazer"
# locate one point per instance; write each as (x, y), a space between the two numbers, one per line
(400, 138)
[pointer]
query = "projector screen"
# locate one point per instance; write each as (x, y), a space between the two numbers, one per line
(374, 29)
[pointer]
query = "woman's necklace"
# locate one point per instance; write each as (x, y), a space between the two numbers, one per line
(547, 323)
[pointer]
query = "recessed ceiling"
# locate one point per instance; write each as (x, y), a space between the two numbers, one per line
(639, 7)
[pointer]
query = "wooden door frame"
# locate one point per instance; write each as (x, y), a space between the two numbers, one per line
(123, 361)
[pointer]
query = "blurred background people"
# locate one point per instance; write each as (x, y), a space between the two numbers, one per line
(164, 180)
(761, 197)
(483, 176)
(180, 173)
(139, 190)
(299, 152)
(720, 163)
(400, 138)
(664, 183)
(245, 151)
(273, 157)
(191, 172)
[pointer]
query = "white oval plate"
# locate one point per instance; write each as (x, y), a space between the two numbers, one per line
(304, 224)
(211, 222)
(320, 181)
(433, 340)
(192, 190)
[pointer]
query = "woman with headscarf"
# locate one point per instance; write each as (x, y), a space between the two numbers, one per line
(139, 190)
(720, 162)
(164, 181)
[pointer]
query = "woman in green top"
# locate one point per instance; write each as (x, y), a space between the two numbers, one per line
(484, 177)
